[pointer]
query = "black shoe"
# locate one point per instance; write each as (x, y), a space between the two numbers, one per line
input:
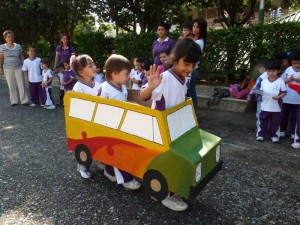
(14, 104)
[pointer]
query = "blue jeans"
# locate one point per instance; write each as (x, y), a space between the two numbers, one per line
(192, 89)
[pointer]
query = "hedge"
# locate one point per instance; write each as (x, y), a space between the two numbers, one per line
(227, 52)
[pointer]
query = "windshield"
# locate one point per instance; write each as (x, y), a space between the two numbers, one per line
(181, 121)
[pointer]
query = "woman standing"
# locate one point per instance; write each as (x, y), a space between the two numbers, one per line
(11, 60)
(163, 43)
(199, 36)
(64, 50)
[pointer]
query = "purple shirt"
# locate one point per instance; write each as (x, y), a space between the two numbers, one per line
(68, 75)
(158, 47)
(64, 54)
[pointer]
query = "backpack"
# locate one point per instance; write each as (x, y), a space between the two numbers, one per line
(219, 93)
(233, 88)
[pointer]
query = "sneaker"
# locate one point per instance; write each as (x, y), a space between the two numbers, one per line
(84, 172)
(132, 185)
(175, 203)
(51, 107)
(295, 145)
(292, 136)
(110, 177)
(260, 138)
(275, 140)
(282, 134)
(33, 105)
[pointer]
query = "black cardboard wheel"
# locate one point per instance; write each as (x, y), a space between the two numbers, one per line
(155, 184)
(83, 155)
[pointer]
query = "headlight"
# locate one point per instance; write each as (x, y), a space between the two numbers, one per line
(218, 153)
(198, 172)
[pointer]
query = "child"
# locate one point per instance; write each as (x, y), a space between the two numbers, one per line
(146, 69)
(284, 58)
(83, 66)
(117, 69)
(166, 61)
(136, 76)
(132, 72)
(32, 70)
(186, 30)
(273, 89)
(99, 74)
(258, 98)
(69, 77)
(291, 101)
(170, 88)
(47, 75)
(61, 69)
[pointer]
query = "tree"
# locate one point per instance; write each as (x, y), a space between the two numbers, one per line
(147, 13)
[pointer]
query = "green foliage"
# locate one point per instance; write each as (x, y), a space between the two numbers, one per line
(229, 51)
(132, 45)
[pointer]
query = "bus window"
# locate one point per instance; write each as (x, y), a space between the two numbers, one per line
(180, 122)
(141, 125)
(81, 109)
(109, 116)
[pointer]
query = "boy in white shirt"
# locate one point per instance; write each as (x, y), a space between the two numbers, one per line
(273, 90)
(47, 75)
(32, 72)
(136, 75)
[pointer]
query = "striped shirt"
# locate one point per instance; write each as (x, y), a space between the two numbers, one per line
(12, 59)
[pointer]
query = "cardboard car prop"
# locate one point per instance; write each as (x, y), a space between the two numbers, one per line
(295, 87)
(165, 149)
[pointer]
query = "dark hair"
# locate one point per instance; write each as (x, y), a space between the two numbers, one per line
(187, 49)
(60, 65)
(46, 61)
(80, 62)
(165, 51)
(31, 47)
(98, 65)
(140, 59)
(261, 62)
(203, 28)
(164, 25)
(116, 63)
(295, 54)
(187, 25)
(273, 64)
(146, 65)
(282, 56)
(61, 44)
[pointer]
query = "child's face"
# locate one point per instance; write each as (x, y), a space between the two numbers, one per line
(44, 66)
(284, 63)
(67, 66)
(61, 69)
(121, 77)
(31, 53)
(296, 65)
(183, 68)
(272, 73)
(186, 32)
(98, 69)
(138, 66)
(261, 69)
(89, 71)
(163, 57)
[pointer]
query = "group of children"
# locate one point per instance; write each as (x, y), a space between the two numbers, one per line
(277, 103)
(166, 89)
(40, 78)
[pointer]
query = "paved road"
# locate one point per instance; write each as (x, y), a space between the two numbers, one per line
(259, 183)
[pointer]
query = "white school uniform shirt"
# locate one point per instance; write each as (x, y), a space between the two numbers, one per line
(85, 88)
(291, 97)
(61, 79)
(137, 76)
(33, 67)
(110, 91)
(46, 76)
(271, 89)
(170, 92)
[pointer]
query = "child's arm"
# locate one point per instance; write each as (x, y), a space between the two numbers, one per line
(68, 82)
(154, 80)
(282, 94)
(45, 84)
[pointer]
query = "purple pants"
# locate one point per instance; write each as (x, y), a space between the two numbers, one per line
(36, 92)
(288, 111)
(126, 176)
(297, 129)
(264, 118)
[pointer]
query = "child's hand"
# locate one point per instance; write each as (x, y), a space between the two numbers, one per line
(153, 77)
(276, 97)
(291, 78)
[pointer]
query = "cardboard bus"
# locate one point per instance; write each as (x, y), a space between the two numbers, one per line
(165, 149)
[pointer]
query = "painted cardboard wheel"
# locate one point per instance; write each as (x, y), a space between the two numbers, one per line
(155, 184)
(83, 155)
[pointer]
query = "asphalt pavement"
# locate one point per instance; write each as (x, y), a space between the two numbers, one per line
(39, 184)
